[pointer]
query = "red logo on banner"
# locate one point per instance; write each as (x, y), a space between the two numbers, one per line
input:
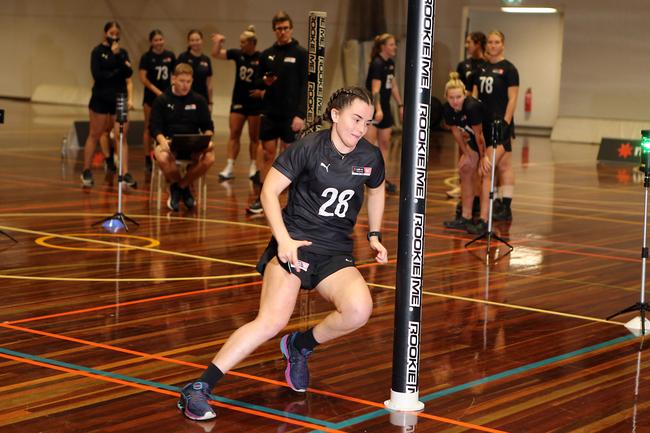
(625, 150)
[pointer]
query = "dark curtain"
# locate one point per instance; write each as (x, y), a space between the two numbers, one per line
(366, 19)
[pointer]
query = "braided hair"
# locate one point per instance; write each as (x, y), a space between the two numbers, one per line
(340, 99)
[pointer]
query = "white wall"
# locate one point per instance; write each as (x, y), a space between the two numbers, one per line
(604, 66)
(50, 41)
(534, 46)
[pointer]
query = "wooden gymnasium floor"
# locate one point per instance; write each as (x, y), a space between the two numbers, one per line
(98, 332)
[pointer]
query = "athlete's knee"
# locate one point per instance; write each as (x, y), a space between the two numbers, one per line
(271, 325)
(268, 153)
(466, 168)
(208, 158)
(357, 313)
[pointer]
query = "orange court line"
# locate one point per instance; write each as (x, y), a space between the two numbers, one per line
(235, 373)
(554, 250)
(178, 295)
(595, 255)
(170, 393)
(139, 301)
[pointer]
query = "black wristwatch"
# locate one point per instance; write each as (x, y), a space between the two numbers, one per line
(371, 234)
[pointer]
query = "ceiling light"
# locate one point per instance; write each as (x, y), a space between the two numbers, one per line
(528, 10)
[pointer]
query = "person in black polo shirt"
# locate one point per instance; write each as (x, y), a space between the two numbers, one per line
(497, 87)
(381, 83)
(200, 63)
(464, 115)
(327, 173)
(179, 110)
(246, 105)
(155, 71)
(283, 69)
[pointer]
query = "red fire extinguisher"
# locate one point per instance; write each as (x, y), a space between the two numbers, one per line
(528, 101)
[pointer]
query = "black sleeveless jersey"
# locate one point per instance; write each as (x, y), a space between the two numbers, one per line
(468, 70)
(246, 73)
(493, 81)
(159, 69)
(202, 70)
(326, 192)
(384, 71)
(471, 113)
(109, 71)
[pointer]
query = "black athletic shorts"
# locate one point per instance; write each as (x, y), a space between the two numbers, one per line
(387, 120)
(102, 105)
(148, 99)
(277, 127)
(314, 268)
(246, 110)
(508, 134)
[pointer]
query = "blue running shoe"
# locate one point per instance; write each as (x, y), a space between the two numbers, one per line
(297, 371)
(194, 402)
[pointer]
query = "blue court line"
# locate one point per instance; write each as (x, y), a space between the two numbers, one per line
(166, 387)
(487, 379)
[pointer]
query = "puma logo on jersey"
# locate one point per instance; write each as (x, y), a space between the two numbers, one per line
(170, 106)
(327, 167)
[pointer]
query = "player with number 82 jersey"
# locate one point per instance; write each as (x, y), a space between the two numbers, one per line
(245, 75)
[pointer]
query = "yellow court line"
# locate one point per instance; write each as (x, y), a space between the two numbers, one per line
(513, 306)
(82, 214)
(128, 280)
(135, 247)
(44, 242)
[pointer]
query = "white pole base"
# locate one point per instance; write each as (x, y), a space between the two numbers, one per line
(404, 419)
(404, 402)
(634, 326)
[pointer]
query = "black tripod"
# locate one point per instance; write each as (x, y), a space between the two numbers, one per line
(118, 220)
(497, 128)
(642, 307)
(8, 235)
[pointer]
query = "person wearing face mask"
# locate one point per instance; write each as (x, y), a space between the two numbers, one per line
(283, 69)
(111, 70)
(155, 71)
(382, 84)
(246, 104)
(464, 115)
(200, 63)
(497, 87)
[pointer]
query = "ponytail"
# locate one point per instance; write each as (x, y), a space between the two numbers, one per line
(454, 83)
(341, 98)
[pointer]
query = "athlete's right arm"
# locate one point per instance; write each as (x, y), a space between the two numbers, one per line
(218, 51)
(274, 184)
(375, 89)
(142, 74)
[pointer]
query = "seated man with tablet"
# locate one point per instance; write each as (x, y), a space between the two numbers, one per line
(182, 126)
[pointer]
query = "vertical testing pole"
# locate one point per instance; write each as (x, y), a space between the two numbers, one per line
(404, 394)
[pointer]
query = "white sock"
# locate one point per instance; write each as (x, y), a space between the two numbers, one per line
(508, 190)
